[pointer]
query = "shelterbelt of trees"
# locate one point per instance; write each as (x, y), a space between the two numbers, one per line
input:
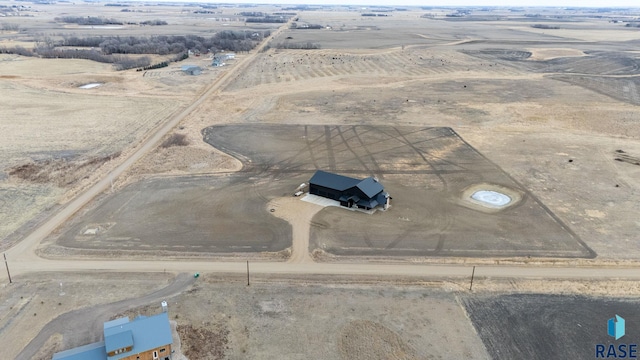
(114, 49)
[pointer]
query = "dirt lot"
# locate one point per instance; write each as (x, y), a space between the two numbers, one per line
(199, 216)
(60, 136)
(218, 316)
(548, 326)
(427, 171)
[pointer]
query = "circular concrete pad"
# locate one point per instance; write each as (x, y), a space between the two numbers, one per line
(491, 198)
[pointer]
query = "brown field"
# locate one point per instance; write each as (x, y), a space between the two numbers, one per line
(63, 132)
(553, 112)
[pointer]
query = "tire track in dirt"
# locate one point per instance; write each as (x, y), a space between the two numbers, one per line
(406, 142)
(431, 155)
(310, 148)
(378, 170)
(330, 156)
(285, 165)
(346, 143)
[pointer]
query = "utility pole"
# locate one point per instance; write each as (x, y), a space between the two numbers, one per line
(472, 274)
(247, 272)
(7, 265)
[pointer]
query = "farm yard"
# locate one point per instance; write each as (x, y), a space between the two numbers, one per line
(427, 171)
(540, 104)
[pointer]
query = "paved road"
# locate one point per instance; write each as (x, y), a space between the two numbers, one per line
(84, 326)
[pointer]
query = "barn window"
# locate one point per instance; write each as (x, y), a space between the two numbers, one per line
(155, 355)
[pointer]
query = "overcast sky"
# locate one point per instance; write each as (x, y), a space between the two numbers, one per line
(583, 3)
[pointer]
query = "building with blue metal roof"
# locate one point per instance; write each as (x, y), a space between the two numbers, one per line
(93, 351)
(144, 338)
(352, 193)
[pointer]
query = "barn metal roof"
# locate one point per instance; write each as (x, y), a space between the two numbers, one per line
(369, 186)
(118, 340)
(333, 181)
(144, 333)
(95, 351)
(147, 333)
(115, 322)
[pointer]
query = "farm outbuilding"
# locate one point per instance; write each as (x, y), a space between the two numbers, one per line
(350, 192)
(218, 61)
(191, 69)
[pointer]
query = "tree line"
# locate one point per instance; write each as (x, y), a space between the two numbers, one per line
(113, 49)
(97, 21)
(88, 20)
(298, 45)
(163, 44)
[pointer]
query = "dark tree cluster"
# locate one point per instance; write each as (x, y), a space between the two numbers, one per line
(97, 21)
(300, 46)
(120, 62)
(111, 49)
(18, 50)
(154, 66)
(267, 19)
(164, 45)
(154, 22)
(88, 20)
(252, 13)
(543, 26)
(306, 26)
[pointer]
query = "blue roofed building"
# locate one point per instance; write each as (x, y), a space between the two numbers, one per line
(364, 194)
(93, 351)
(144, 338)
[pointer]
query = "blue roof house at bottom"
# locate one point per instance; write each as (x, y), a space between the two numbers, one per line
(124, 338)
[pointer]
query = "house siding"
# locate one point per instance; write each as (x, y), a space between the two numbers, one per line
(148, 355)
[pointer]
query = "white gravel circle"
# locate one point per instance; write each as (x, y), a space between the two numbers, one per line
(90, 86)
(492, 198)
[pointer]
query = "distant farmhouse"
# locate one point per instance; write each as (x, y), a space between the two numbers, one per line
(144, 338)
(364, 194)
(219, 60)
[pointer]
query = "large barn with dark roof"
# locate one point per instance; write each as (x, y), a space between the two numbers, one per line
(362, 194)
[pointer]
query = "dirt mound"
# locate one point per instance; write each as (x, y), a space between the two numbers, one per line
(60, 172)
(362, 339)
(203, 343)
